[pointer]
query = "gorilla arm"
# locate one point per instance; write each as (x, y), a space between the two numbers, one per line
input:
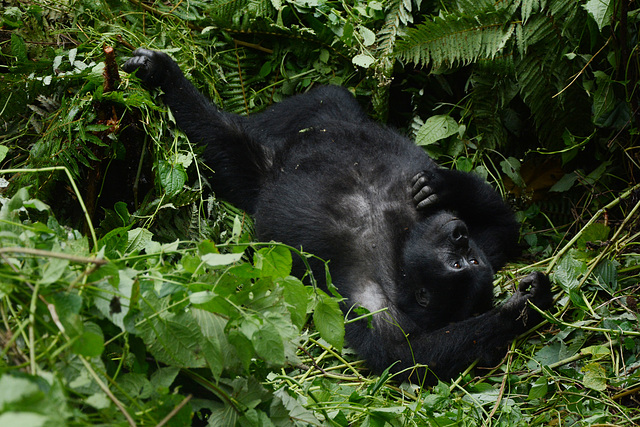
(450, 349)
(239, 160)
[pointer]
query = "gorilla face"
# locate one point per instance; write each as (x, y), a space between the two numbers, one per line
(441, 262)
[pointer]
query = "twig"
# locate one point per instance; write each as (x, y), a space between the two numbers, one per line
(49, 254)
(174, 411)
(595, 216)
(108, 392)
(583, 68)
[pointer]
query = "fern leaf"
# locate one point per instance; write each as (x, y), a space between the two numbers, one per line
(453, 39)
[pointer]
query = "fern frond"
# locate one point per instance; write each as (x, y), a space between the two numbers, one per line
(456, 39)
(494, 87)
(240, 14)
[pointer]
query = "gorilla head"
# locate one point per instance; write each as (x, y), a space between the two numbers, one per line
(440, 263)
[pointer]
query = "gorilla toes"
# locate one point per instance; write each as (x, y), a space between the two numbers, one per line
(424, 196)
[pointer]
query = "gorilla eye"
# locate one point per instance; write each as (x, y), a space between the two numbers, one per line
(474, 261)
(457, 265)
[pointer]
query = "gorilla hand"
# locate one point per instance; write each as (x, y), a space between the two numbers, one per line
(152, 67)
(423, 191)
(535, 288)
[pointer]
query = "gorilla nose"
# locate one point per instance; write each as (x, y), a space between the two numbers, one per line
(459, 234)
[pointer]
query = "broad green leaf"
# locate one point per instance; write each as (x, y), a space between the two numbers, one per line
(138, 239)
(600, 11)
(268, 344)
(217, 350)
(173, 339)
(23, 419)
(53, 270)
(91, 342)
(296, 295)
(18, 48)
(201, 297)
(164, 377)
(539, 388)
(114, 302)
(595, 376)
(511, 168)
(368, 36)
(607, 275)
(274, 261)
(329, 321)
(435, 129)
(3, 152)
(14, 389)
(565, 183)
(172, 177)
(115, 242)
(363, 60)
(569, 271)
(295, 409)
(218, 260)
(594, 233)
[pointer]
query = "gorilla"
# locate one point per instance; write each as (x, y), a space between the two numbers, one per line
(399, 232)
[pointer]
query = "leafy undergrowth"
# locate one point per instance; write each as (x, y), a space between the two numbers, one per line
(129, 295)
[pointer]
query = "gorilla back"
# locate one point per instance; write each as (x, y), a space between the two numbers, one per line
(399, 232)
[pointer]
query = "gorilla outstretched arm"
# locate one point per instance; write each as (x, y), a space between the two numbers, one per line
(240, 161)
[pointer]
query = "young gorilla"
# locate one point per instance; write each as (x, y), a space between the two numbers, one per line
(399, 232)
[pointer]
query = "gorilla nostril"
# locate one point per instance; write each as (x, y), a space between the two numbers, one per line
(459, 233)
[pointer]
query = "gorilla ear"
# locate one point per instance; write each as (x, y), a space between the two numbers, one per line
(422, 297)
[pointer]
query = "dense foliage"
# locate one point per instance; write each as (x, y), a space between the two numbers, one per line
(129, 295)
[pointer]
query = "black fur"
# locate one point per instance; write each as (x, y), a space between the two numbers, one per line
(399, 232)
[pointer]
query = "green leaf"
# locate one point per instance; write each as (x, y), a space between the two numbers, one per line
(91, 342)
(368, 36)
(296, 295)
(19, 48)
(115, 242)
(595, 376)
(173, 339)
(363, 60)
(172, 177)
(601, 11)
(138, 239)
(218, 352)
(329, 321)
(569, 271)
(435, 129)
(54, 270)
(23, 419)
(594, 233)
(539, 389)
(511, 168)
(565, 183)
(3, 152)
(268, 344)
(219, 260)
(274, 261)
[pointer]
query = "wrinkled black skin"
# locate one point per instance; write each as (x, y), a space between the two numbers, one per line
(399, 232)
